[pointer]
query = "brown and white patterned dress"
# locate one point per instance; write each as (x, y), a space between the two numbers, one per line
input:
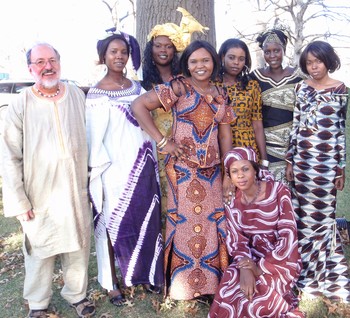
(195, 251)
(317, 151)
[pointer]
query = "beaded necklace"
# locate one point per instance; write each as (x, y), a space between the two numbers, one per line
(48, 95)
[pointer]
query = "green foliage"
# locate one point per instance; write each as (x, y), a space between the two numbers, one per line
(343, 196)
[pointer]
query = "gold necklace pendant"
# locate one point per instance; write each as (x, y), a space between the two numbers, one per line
(208, 98)
(255, 196)
(206, 93)
(202, 91)
(121, 85)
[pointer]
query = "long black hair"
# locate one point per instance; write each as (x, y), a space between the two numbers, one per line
(150, 72)
(243, 77)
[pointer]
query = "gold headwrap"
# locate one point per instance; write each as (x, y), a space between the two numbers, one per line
(179, 35)
(273, 38)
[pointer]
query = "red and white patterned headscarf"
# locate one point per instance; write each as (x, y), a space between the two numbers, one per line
(239, 153)
(245, 153)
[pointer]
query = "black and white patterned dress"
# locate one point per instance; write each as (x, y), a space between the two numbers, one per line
(317, 152)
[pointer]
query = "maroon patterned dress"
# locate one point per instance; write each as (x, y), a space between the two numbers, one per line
(266, 232)
(195, 251)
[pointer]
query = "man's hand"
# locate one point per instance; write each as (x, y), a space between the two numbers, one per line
(25, 216)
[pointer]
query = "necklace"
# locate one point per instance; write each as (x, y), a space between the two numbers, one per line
(205, 91)
(207, 95)
(227, 82)
(48, 95)
(255, 196)
(230, 88)
(123, 83)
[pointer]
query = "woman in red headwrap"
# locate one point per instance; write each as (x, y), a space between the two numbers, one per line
(262, 241)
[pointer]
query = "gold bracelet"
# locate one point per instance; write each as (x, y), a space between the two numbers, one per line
(160, 144)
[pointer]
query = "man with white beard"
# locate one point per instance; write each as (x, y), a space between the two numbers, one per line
(45, 181)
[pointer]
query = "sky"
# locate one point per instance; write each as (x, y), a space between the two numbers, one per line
(73, 27)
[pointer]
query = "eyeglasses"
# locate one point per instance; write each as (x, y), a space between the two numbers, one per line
(43, 63)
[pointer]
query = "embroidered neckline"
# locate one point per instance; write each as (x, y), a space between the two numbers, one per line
(134, 89)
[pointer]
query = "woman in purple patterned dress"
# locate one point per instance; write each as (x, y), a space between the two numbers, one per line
(124, 183)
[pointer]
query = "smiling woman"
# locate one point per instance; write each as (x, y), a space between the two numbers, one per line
(123, 169)
(200, 135)
(277, 86)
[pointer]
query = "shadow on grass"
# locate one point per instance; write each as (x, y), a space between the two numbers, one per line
(140, 304)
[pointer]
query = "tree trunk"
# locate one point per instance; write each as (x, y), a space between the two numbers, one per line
(152, 12)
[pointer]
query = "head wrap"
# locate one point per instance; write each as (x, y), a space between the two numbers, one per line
(180, 36)
(273, 36)
(135, 51)
(239, 153)
(171, 30)
(245, 153)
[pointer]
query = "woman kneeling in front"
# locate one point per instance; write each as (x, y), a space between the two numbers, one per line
(262, 241)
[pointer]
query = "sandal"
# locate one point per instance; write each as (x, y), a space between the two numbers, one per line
(85, 308)
(152, 289)
(117, 300)
(204, 299)
(37, 313)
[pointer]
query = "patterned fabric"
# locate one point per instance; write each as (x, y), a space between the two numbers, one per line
(124, 189)
(266, 232)
(239, 153)
(317, 151)
(278, 100)
(164, 122)
(195, 252)
(246, 104)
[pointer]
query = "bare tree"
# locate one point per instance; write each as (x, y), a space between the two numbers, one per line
(114, 7)
(152, 12)
(304, 20)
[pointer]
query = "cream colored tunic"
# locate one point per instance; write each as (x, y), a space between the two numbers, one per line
(45, 169)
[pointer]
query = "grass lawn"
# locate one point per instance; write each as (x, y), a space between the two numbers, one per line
(140, 304)
(343, 198)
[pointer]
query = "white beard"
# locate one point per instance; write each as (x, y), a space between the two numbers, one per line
(49, 83)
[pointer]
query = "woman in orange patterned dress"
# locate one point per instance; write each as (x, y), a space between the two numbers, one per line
(196, 227)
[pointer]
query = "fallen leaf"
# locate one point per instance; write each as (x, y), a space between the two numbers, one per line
(156, 305)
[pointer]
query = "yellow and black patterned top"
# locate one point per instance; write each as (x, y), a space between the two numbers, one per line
(246, 104)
